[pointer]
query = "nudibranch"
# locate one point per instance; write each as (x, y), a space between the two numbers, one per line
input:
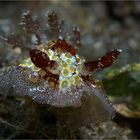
(56, 75)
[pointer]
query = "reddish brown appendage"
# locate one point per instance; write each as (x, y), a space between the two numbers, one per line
(86, 78)
(64, 46)
(31, 26)
(14, 40)
(53, 21)
(56, 25)
(53, 79)
(90, 79)
(41, 59)
(76, 35)
(103, 62)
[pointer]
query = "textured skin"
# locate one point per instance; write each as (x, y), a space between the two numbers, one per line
(15, 78)
(60, 86)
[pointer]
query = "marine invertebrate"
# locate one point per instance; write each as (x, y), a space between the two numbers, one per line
(54, 73)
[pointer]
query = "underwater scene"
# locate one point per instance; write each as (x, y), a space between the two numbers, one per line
(70, 69)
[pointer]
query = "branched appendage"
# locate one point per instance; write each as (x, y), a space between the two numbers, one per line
(76, 36)
(31, 26)
(55, 25)
(55, 74)
(13, 40)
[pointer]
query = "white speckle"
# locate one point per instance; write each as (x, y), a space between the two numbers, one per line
(100, 64)
(33, 38)
(60, 37)
(76, 97)
(41, 89)
(35, 73)
(32, 89)
(13, 86)
(48, 101)
(119, 50)
(34, 97)
(93, 86)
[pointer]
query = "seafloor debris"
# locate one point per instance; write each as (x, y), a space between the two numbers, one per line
(54, 73)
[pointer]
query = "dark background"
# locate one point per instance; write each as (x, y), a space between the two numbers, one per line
(104, 25)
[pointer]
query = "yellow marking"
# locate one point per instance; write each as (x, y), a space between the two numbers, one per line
(49, 44)
(68, 55)
(33, 78)
(72, 69)
(79, 67)
(42, 73)
(52, 84)
(68, 61)
(64, 65)
(64, 83)
(77, 79)
(54, 57)
(65, 72)
(59, 51)
(77, 59)
(40, 47)
(27, 63)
